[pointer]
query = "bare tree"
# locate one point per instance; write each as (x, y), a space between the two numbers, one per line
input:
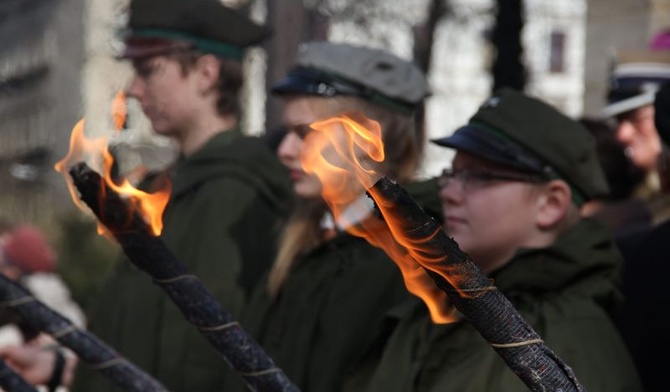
(508, 69)
(424, 40)
(291, 23)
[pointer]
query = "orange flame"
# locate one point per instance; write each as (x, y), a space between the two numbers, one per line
(341, 145)
(95, 152)
(119, 110)
(346, 152)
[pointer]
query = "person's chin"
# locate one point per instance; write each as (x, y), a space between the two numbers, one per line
(305, 190)
(455, 228)
(160, 130)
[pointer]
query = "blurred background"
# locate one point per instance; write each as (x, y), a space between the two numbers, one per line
(57, 65)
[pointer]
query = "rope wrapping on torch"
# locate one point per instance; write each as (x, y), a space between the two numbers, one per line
(472, 292)
(10, 381)
(90, 350)
(150, 254)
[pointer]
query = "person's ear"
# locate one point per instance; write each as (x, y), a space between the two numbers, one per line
(207, 68)
(554, 204)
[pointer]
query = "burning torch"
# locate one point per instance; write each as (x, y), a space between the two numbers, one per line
(433, 266)
(87, 346)
(134, 219)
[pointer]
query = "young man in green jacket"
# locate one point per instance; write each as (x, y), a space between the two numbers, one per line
(228, 191)
(511, 200)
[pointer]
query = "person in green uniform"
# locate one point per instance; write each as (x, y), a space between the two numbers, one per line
(229, 192)
(324, 300)
(511, 201)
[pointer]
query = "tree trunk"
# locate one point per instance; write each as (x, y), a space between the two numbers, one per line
(508, 68)
(424, 38)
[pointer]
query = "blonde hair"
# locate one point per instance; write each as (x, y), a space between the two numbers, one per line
(403, 145)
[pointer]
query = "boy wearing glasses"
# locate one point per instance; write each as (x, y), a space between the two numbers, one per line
(511, 200)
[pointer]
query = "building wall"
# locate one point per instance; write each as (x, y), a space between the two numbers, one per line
(659, 13)
(612, 25)
(561, 86)
(39, 101)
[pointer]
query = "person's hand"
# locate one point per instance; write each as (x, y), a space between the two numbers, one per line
(34, 364)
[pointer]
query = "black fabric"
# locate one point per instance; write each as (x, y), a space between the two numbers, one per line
(642, 321)
(662, 112)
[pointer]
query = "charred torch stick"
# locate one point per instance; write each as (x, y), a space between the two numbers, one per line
(10, 381)
(90, 350)
(471, 292)
(200, 308)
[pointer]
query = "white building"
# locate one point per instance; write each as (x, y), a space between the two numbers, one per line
(555, 38)
(460, 80)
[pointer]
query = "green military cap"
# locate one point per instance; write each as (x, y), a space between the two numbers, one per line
(158, 26)
(522, 132)
(329, 69)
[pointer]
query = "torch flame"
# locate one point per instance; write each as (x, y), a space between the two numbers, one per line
(119, 110)
(339, 146)
(345, 152)
(150, 205)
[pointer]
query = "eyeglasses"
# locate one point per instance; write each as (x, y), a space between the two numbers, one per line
(475, 179)
(301, 130)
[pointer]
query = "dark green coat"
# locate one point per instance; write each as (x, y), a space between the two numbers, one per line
(331, 308)
(566, 292)
(328, 312)
(221, 221)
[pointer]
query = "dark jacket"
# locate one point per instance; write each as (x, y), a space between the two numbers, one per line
(642, 321)
(566, 292)
(224, 211)
(328, 311)
(331, 308)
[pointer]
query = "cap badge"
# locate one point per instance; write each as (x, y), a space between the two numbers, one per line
(649, 87)
(491, 103)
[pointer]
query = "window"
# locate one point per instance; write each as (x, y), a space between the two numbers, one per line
(557, 52)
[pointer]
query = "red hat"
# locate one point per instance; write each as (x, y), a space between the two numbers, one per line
(29, 250)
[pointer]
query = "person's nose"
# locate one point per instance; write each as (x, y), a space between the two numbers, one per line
(289, 148)
(625, 131)
(135, 88)
(452, 191)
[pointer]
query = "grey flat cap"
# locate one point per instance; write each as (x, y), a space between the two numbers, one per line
(329, 69)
